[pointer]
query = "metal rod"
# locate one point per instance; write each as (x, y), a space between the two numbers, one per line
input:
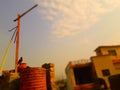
(6, 53)
(12, 28)
(25, 12)
(17, 44)
(15, 36)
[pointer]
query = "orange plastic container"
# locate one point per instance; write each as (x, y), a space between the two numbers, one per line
(33, 79)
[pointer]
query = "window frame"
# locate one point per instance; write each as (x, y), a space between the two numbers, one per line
(106, 72)
(112, 52)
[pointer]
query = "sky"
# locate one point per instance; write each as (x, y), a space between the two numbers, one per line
(58, 31)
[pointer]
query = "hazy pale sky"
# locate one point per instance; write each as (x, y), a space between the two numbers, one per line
(59, 31)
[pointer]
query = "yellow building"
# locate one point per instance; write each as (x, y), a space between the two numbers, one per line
(113, 52)
(107, 61)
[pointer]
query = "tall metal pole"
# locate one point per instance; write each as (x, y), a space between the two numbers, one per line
(18, 35)
(17, 43)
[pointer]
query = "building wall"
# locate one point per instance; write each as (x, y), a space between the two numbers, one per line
(70, 77)
(117, 68)
(104, 50)
(103, 63)
(80, 75)
(50, 72)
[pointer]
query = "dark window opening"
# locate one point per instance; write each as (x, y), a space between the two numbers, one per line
(112, 52)
(83, 75)
(99, 53)
(106, 72)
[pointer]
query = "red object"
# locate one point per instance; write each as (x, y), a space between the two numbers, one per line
(89, 86)
(22, 66)
(33, 79)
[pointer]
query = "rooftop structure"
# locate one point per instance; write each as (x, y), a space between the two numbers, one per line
(80, 75)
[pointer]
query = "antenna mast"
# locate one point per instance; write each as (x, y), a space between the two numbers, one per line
(18, 35)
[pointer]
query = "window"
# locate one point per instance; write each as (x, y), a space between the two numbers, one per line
(99, 52)
(83, 75)
(106, 72)
(112, 52)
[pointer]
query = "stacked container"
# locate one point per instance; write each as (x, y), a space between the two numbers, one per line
(33, 79)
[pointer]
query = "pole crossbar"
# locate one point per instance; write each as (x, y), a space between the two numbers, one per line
(25, 12)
